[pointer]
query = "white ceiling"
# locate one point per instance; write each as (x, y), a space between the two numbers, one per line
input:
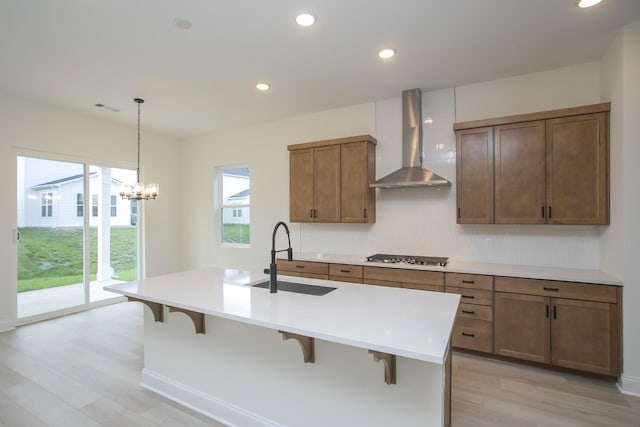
(76, 53)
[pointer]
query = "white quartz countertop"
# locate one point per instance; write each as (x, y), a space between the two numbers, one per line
(409, 323)
(531, 272)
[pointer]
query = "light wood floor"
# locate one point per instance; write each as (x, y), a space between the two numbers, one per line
(84, 370)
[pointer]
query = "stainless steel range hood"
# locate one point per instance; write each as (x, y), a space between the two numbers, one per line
(412, 174)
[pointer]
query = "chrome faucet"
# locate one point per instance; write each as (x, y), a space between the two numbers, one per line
(273, 269)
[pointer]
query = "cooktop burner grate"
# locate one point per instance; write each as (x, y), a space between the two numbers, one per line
(408, 259)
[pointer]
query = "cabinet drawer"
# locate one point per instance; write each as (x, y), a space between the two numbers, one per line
(404, 276)
(473, 335)
(472, 296)
(471, 311)
(472, 281)
(552, 288)
(346, 279)
(421, 287)
(346, 270)
(307, 267)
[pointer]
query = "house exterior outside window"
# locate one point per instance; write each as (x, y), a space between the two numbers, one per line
(114, 206)
(94, 205)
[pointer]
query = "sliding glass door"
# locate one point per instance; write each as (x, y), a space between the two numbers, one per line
(75, 234)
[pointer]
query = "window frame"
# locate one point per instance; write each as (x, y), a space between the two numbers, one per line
(233, 207)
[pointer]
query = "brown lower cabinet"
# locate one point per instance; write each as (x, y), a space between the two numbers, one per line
(569, 333)
(566, 324)
(309, 269)
(473, 329)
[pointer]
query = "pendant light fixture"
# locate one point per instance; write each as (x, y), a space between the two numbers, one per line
(139, 191)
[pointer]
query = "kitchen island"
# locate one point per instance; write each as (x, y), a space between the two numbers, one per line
(233, 351)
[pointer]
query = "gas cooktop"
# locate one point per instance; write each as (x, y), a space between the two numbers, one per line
(408, 259)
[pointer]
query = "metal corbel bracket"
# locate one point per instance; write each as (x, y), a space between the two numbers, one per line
(156, 308)
(197, 318)
(389, 361)
(307, 344)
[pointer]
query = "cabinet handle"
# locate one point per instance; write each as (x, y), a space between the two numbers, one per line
(468, 296)
(469, 311)
(547, 311)
(365, 213)
(555, 311)
(542, 210)
(299, 266)
(471, 282)
(466, 334)
(310, 213)
(458, 212)
(315, 213)
(345, 271)
(549, 211)
(551, 289)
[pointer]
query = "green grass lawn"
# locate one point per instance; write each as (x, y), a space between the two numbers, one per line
(50, 257)
(235, 233)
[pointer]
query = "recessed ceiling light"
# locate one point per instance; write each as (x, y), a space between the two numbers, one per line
(263, 86)
(305, 20)
(386, 53)
(588, 3)
(183, 24)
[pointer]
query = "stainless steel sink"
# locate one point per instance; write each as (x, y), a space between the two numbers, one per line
(298, 288)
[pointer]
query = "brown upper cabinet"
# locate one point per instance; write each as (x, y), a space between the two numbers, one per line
(550, 167)
(329, 180)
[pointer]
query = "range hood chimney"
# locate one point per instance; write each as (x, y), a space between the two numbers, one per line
(412, 174)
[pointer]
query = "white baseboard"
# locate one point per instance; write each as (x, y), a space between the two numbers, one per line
(629, 385)
(200, 402)
(6, 325)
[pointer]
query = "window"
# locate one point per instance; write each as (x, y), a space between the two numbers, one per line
(79, 204)
(114, 206)
(47, 204)
(94, 205)
(134, 212)
(234, 197)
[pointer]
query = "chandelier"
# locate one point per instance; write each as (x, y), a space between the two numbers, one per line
(139, 191)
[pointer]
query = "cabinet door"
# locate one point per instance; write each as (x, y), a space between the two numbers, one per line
(578, 169)
(356, 196)
(520, 173)
(326, 181)
(474, 175)
(522, 326)
(584, 336)
(301, 185)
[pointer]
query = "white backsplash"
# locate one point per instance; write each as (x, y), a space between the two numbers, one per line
(422, 221)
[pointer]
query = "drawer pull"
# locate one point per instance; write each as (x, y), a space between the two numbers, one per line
(345, 271)
(551, 289)
(299, 266)
(468, 296)
(469, 311)
(466, 334)
(471, 282)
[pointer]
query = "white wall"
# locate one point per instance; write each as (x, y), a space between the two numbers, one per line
(422, 221)
(546, 90)
(30, 128)
(264, 149)
(621, 241)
